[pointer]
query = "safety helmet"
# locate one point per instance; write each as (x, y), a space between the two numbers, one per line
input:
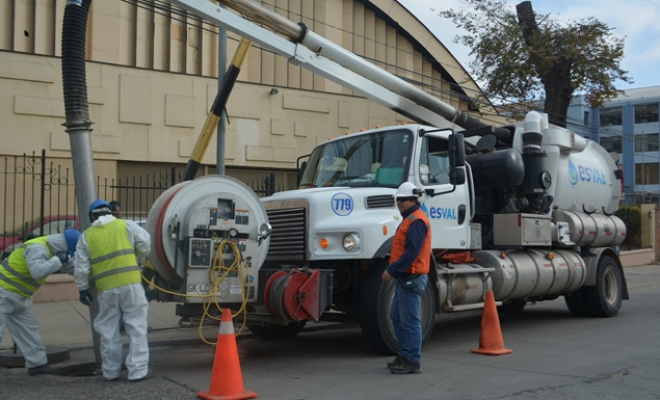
(99, 207)
(71, 236)
(408, 189)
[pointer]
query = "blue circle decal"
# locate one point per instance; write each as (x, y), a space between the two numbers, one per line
(572, 173)
(342, 204)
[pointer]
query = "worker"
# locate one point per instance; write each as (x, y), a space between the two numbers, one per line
(107, 254)
(409, 265)
(115, 206)
(21, 274)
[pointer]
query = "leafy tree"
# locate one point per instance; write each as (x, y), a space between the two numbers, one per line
(526, 57)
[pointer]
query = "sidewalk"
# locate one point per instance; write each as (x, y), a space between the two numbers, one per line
(66, 323)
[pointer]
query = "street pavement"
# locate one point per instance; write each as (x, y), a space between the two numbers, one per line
(339, 364)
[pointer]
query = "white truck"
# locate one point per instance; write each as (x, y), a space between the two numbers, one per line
(524, 210)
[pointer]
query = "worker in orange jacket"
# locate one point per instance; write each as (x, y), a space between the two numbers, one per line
(409, 265)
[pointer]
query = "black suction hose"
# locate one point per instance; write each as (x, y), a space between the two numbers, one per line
(74, 83)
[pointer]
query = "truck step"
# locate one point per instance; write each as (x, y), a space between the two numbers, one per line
(465, 270)
(466, 307)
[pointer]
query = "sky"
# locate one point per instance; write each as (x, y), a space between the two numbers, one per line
(637, 21)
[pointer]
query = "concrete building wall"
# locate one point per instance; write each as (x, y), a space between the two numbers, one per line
(152, 77)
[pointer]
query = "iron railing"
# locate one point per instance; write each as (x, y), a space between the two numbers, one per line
(38, 195)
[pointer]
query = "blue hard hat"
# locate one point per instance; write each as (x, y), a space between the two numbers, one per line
(71, 236)
(100, 206)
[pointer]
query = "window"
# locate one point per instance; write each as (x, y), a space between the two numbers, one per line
(612, 143)
(587, 117)
(610, 116)
(646, 174)
(375, 159)
(646, 113)
(646, 142)
(434, 161)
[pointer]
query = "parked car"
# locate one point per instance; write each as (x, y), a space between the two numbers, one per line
(52, 224)
(31, 229)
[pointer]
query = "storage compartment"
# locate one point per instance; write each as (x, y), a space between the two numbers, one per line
(522, 230)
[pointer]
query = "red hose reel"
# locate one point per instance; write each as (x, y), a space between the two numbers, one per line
(293, 295)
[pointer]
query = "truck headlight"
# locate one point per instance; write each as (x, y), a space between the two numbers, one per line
(348, 242)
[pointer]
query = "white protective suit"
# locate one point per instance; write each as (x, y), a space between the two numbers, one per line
(127, 303)
(16, 311)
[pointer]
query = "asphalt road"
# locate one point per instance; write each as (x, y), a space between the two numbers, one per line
(555, 356)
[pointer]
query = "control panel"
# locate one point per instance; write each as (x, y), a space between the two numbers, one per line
(200, 253)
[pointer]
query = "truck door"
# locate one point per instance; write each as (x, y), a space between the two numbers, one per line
(448, 210)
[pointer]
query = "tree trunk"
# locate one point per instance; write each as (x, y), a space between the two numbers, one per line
(556, 76)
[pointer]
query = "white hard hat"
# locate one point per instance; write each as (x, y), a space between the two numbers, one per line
(408, 189)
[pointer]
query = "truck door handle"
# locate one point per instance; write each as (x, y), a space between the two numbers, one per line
(461, 214)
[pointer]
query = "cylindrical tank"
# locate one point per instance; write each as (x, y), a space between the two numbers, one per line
(465, 288)
(595, 230)
(497, 169)
(522, 274)
(585, 181)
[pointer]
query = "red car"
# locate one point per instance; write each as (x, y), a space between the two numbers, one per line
(52, 224)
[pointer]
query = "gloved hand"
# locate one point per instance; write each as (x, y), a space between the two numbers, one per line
(85, 297)
(63, 256)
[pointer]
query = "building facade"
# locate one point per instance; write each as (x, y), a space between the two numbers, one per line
(628, 125)
(152, 77)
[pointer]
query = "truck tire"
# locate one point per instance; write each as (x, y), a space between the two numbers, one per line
(576, 303)
(604, 299)
(374, 312)
(277, 332)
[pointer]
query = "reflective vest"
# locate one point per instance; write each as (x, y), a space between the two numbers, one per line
(112, 256)
(14, 273)
(422, 262)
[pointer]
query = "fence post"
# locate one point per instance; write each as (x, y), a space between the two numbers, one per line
(173, 177)
(271, 189)
(43, 190)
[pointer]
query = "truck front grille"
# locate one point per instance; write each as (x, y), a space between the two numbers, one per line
(382, 201)
(287, 240)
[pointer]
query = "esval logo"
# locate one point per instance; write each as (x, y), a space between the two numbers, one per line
(342, 204)
(585, 174)
(572, 173)
(439, 212)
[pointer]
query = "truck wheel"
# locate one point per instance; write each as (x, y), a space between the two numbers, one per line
(277, 332)
(374, 312)
(577, 304)
(604, 299)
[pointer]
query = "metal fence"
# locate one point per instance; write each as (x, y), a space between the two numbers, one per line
(39, 198)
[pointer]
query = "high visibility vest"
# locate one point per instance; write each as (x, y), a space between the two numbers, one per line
(14, 273)
(112, 256)
(423, 260)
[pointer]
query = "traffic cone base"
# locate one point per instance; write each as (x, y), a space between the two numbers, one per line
(226, 378)
(247, 394)
(490, 340)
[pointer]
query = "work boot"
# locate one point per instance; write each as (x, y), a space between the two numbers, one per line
(396, 362)
(407, 367)
(42, 369)
(145, 377)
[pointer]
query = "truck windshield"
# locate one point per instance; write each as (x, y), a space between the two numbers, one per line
(376, 159)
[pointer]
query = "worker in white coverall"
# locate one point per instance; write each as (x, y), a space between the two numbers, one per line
(21, 274)
(107, 254)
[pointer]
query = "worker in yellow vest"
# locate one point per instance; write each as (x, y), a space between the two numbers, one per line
(107, 254)
(21, 274)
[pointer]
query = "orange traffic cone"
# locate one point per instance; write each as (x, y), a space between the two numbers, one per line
(226, 378)
(491, 342)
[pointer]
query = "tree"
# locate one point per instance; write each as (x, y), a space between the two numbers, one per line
(527, 57)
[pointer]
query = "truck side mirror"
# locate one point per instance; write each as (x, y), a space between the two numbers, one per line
(456, 150)
(456, 159)
(457, 176)
(301, 171)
